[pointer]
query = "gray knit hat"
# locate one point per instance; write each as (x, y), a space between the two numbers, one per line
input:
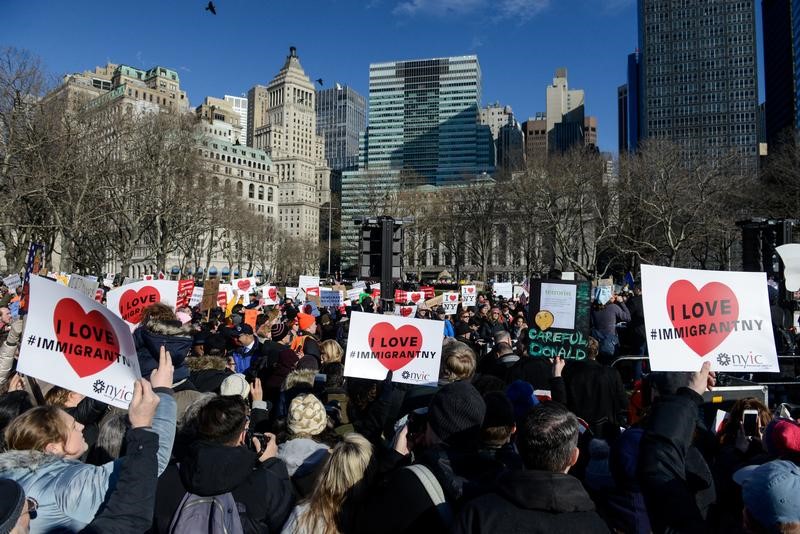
(12, 500)
(306, 415)
(456, 413)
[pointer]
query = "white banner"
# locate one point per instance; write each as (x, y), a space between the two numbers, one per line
(128, 302)
(244, 285)
(696, 316)
(411, 348)
(469, 295)
(450, 303)
(503, 289)
(270, 294)
(307, 282)
(84, 285)
(73, 342)
(12, 282)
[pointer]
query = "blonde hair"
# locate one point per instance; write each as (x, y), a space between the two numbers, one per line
(57, 396)
(35, 429)
(331, 351)
(346, 467)
(459, 361)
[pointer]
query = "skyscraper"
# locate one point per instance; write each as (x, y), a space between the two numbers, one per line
(290, 139)
(699, 76)
(239, 106)
(424, 122)
(566, 124)
(781, 40)
(622, 118)
(341, 117)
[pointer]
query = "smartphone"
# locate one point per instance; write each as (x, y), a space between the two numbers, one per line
(750, 422)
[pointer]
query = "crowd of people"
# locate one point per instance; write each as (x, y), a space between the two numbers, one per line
(254, 428)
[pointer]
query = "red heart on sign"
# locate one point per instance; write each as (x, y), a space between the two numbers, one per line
(687, 307)
(243, 284)
(90, 331)
(415, 297)
(453, 297)
(273, 293)
(470, 290)
(395, 347)
(406, 311)
(133, 303)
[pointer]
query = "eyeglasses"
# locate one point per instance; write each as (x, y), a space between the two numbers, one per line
(33, 505)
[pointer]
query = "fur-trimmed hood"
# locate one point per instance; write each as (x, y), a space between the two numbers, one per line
(30, 461)
(206, 363)
(298, 377)
(167, 328)
(150, 336)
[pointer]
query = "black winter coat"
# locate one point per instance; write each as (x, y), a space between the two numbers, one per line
(535, 371)
(175, 338)
(532, 502)
(675, 479)
(594, 392)
(264, 490)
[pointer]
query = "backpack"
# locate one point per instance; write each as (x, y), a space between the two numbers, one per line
(434, 491)
(217, 514)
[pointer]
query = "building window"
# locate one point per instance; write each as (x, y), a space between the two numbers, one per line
(269, 195)
(260, 192)
(251, 191)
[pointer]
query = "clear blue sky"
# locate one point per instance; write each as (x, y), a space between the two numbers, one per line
(519, 43)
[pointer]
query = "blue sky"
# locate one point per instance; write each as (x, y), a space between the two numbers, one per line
(519, 43)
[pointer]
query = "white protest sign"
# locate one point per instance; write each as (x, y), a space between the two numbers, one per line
(450, 303)
(292, 292)
(84, 285)
(306, 282)
(108, 281)
(330, 298)
(790, 254)
(561, 301)
(469, 295)
(568, 275)
(353, 294)
(411, 348)
(128, 302)
(503, 289)
(196, 297)
(245, 285)
(270, 294)
(694, 316)
(74, 342)
(225, 295)
(405, 311)
(519, 291)
(360, 284)
(91, 277)
(414, 297)
(63, 279)
(12, 282)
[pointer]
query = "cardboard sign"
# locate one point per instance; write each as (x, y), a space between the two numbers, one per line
(405, 311)
(245, 285)
(331, 299)
(196, 297)
(83, 285)
(503, 289)
(73, 342)
(696, 316)
(559, 319)
(450, 303)
(469, 295)
(210, 292)
(429, 292)
(185, 289)
(411, 348)
(128, 302)
(12, 282)
(271, 297)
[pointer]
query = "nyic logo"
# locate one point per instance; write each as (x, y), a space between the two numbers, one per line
(419, 377)
(112, 392)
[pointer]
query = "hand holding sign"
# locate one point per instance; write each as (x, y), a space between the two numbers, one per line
(142, 409)
(162, 377)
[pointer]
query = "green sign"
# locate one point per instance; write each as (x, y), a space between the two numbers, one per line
(558, 322)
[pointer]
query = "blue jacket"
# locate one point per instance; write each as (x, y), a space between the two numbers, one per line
(449, 331)
(245, 358)
(70, 492)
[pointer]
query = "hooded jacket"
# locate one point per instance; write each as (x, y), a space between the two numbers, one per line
(70, 492)
(176, 338)
(262, 490)
(532, 502)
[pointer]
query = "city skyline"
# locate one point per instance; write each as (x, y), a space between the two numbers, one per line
(519, 44)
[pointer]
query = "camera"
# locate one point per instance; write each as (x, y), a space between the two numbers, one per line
(262, 438)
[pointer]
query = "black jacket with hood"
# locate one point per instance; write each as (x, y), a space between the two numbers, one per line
(263, 491)
(176, 338)
(532, 502)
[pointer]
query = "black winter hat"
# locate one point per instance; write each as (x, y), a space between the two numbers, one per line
(12, 500)
(499, 410)
(456, 413)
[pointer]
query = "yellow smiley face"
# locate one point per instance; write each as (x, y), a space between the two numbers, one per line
(544, 320)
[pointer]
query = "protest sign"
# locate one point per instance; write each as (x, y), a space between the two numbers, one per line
(360, 284)
(270, 294)
(185, 289)
(245, 285)
(108, 281)
(503, 289)
(308, 282)
(790, 255)
(411, 348)
(250, 317)
(33, 264)
(428, 290)
(469, 295)
(400, 296)
(196, 296)
(73, 342)
(694, 316)
(519, 291)
(12, 282)
(450, 303)
(98, 294)
(63, 279)
(83, 285)
(225, 296)
(559, 319)
(292, 292)
(128, 302)
(375, 291)
(414, 297)
(210, 292)
(352, 294)
(331, 299)
(405, 311)
(568, 275)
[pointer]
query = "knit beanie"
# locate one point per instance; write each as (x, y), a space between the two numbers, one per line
(235, 385)
(12, 500)
(305, 320)
(306, 415)
(456, 413)
(278, 331)
(499, 411)
(522, 398)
